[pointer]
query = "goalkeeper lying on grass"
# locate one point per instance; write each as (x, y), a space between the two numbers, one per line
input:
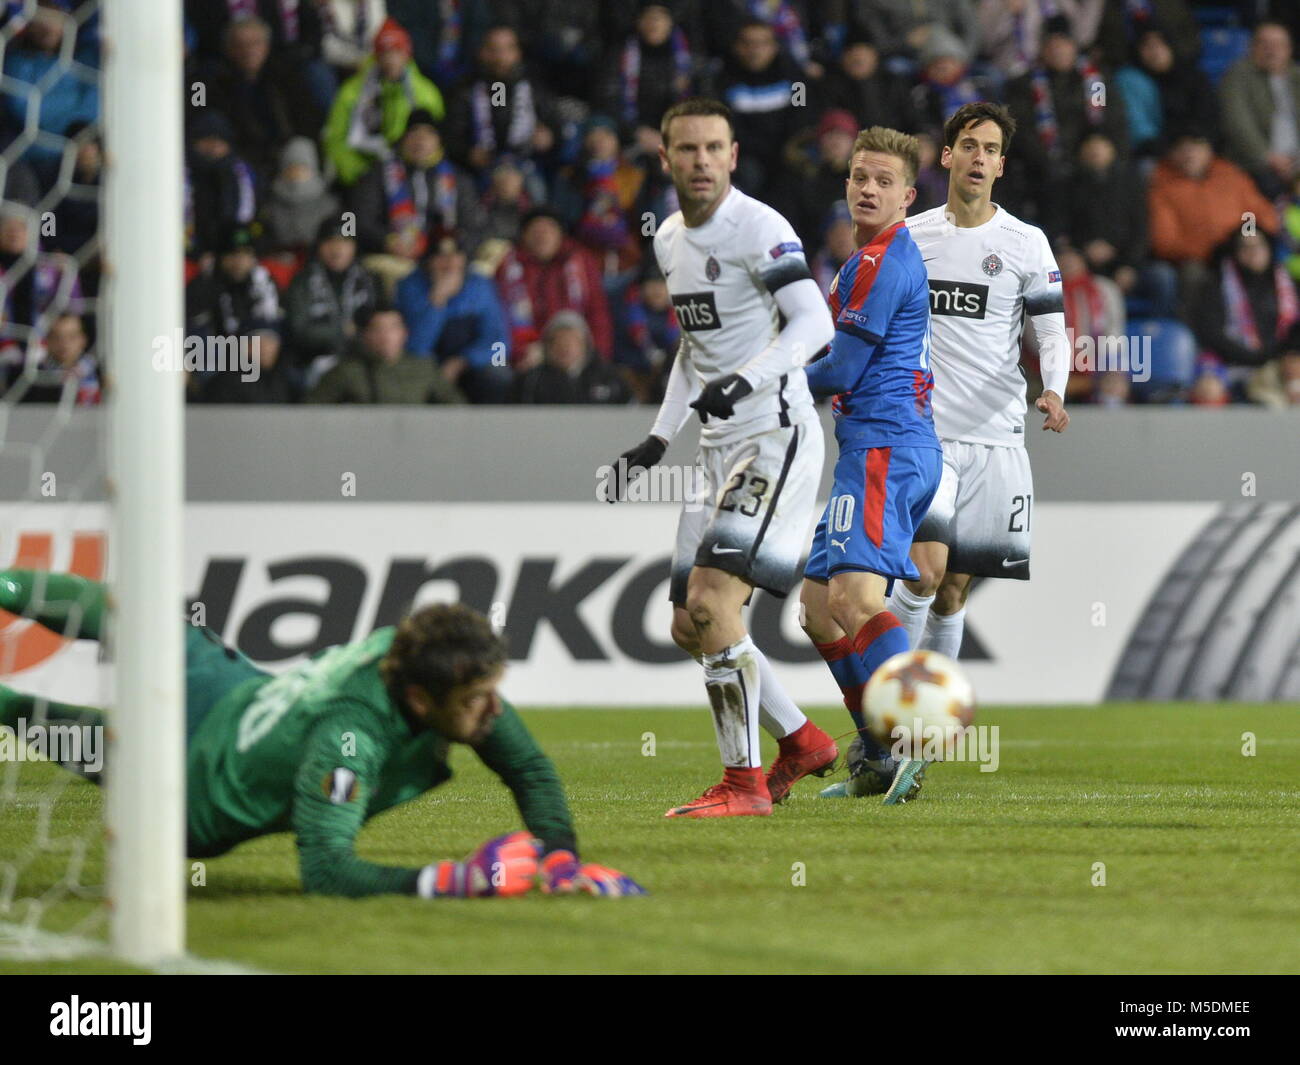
(353, 731)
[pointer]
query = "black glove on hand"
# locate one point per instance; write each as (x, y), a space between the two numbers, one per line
(642, 457)
(720, 397)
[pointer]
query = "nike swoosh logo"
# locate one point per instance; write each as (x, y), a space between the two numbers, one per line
(1008, 563)
(729, 389)
(737, 550)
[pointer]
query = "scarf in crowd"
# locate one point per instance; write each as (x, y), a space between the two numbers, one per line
(955, 96)
(366, 125)
(1049, 133)
(410, 206)
(630, 71)
(245, 197)
(1137, 17)
(1241, 325)
(263, 299)
(447, 57)
(323, 300)
(518, 301)
(785, 24)
(523, 119)
(603, 223)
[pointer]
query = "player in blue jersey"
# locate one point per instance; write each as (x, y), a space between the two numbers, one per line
(878, 370)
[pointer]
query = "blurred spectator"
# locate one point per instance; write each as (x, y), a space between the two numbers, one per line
(447, 34)
(272, 382)
(1123, 21)
(348, 31)
(236, 298)
(931, 178)
(652, 70)
(221, 189)
(548, 272)
(66, 94)
(324, 299)
(1107, 220)
(758, 84)
(1261, 109)
(298, 200)
(296, 30)
(563, 39)
(1010, 34)
(264, 97)
(1196, 201)
(76, 215)
(650, 334)
(837, 246)
(597, 194)
(455, 317)
(67, 367)
(32, 282)
(373, 106)
(946, 83)
(873, 94)
(1094, 310)
(505, 203)
(409, 196)
(1054, 105)
(789, 23)
(1248, 315)
(568, 372)
(1163, 93)
(381, 371)
(501, 109)
(904, 27)
(816, 168)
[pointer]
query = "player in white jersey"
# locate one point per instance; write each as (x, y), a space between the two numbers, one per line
(733, 266)
(988, 272)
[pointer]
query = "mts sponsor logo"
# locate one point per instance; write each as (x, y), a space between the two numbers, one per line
(958, 299)
(23, 643)
(697, 311)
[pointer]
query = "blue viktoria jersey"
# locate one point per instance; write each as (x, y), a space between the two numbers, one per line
(881, 304)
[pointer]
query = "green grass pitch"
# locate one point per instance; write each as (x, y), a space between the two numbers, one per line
(985, 873)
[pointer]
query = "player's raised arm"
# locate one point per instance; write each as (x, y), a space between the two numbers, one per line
(1045, 304)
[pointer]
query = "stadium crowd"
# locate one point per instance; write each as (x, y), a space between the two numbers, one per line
(445, 201)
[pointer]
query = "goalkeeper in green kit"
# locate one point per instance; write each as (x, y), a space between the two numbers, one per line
(351, 732)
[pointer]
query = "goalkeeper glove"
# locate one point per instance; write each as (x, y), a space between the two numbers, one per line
(720, 397)
(642, 457)
(563, 874)
(503, 866)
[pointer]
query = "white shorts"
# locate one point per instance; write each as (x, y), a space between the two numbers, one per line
(983, 510)
(754, 512)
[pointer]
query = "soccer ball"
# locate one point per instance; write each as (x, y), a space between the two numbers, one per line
(918, 704)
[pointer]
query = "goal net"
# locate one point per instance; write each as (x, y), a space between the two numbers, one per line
(91, 450)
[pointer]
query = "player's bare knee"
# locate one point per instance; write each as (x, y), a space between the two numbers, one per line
(701, 607)
(849, 614)
(683, 632)
(814, 616)
(951, 595)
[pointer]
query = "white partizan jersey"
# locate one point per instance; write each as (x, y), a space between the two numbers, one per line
(984, 280)
(722, 277)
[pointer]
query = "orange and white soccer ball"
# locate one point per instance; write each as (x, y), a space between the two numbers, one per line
(919, 704)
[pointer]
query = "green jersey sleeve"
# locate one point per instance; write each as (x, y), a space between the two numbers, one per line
(511, 752)
(337, 779)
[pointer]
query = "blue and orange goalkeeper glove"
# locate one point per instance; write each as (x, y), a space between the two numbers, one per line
(563, 874)
(503, 866)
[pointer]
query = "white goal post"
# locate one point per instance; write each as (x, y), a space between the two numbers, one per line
(143, 290)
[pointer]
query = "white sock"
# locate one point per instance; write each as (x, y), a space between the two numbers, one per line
(733, 681)
(777, 712)
(943, 634)
(912, 610)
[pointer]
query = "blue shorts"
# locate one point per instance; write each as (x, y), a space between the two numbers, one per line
(880, 496)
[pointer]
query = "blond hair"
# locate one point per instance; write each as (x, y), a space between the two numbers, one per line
(892, 142)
